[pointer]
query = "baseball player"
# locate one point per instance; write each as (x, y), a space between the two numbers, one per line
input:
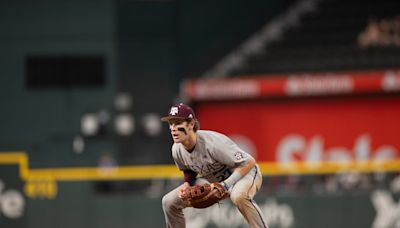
(215, 158)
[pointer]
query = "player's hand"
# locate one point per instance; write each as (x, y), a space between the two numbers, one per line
(182, 193)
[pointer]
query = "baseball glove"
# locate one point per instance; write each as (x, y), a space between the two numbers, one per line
(205, 195)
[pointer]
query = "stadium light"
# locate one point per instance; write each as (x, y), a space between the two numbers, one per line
(123, 101)
(89, 124)
(124, 124)
(151, 124)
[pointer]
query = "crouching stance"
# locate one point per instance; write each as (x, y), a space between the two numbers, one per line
(216, 159)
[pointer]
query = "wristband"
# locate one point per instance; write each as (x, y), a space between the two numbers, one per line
(232, 179)
(226, 187)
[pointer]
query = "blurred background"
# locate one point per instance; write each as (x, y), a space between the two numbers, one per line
(309, 87)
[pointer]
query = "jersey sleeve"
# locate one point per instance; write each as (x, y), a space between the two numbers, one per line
(228, 152)
(177, 158)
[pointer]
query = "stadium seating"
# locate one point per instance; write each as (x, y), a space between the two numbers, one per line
(327, 39)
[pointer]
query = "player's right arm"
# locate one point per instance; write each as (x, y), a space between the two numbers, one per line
(182, 191)
(189, 179)
(189, 176)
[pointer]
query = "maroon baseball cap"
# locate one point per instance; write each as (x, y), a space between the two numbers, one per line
(179, 111)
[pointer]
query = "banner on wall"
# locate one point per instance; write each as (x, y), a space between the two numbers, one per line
(292, 85)
(333, 129)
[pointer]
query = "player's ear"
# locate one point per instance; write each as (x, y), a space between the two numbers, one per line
(191, 124)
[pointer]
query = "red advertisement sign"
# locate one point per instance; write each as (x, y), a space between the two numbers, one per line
(293, 85)
(330, 129)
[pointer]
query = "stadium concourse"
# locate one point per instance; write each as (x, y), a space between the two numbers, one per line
(309, 88)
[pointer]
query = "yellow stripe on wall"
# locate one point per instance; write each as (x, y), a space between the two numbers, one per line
(117, 173)
(328, 167)
(140, 172)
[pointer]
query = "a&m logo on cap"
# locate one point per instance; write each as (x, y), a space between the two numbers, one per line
(173, 111)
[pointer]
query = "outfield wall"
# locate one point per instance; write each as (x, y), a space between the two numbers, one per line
(77, 206)
(80, 204)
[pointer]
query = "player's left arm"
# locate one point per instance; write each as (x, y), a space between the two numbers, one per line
(238, 173)
(245, 168)
(228, 152)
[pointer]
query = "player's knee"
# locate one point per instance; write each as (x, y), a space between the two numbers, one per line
(239, 198)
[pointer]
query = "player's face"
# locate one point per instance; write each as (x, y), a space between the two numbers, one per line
(179, 130)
